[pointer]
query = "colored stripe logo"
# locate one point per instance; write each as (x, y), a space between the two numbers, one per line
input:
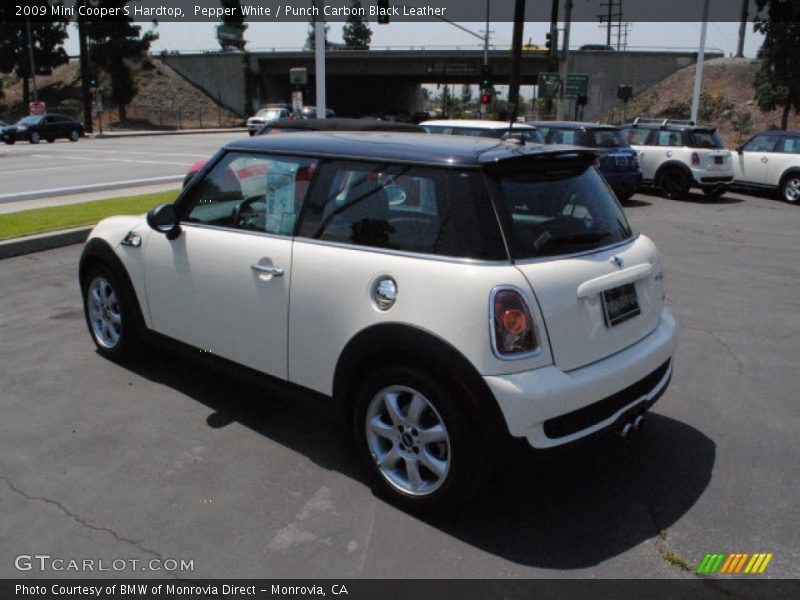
(731, 564)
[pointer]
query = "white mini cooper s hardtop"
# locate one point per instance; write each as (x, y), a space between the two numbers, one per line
(446, 292)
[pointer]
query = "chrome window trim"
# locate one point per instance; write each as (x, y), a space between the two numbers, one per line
(235, 230)
(508, 357)
(405, 253)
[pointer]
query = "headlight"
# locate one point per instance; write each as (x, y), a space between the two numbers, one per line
(22, 128)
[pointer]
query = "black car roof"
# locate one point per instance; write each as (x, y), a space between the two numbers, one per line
(338, 124)
(573, 125)
(439, 150)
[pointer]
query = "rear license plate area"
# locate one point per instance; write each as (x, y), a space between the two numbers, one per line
(620, 304)
(718, 160)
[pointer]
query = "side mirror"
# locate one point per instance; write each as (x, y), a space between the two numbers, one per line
(164, 219)
(739, 149)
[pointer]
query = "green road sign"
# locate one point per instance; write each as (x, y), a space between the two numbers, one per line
(577, 85)
(549, 85)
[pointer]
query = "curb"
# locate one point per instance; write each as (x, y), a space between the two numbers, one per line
(43, 241)
(97, 187)
(125, 134)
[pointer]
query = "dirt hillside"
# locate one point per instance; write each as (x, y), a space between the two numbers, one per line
(727, 100)
(164, 100)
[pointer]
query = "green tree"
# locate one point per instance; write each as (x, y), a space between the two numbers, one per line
(230, 34)
(48, 50)
(113, 42)
(777, 82)
(356, 32)
(311, 39)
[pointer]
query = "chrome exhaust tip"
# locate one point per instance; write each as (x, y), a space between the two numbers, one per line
(638, 423)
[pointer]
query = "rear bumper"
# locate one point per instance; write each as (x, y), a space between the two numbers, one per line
(550, 407)
(623, 180)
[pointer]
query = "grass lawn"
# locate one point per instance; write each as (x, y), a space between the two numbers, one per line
(53, 218)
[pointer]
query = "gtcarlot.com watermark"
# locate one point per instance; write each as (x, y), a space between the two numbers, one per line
(48, 563)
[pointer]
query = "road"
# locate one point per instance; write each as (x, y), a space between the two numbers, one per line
(166, 458)
(30, 168)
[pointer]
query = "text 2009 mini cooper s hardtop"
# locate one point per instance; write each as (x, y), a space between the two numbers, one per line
(443, 291)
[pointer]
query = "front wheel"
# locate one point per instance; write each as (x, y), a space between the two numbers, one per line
(416, 440)
(108, 307)
(74, 135)
(10, 141)
(34, 137)
(790, 189)
(674, 184)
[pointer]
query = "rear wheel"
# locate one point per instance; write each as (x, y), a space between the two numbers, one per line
(74, 135)
(674, 184)
(790, 188)
(110, 316)
(34, 137)
(416, 440)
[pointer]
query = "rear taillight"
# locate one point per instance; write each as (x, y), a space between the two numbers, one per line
(513, 330)
(695, 158)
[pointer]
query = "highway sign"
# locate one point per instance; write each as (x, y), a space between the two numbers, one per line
(577, 85)
(549, 85)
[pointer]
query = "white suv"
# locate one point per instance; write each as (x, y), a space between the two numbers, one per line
(444, 292)
(770, 161)
(676, 156)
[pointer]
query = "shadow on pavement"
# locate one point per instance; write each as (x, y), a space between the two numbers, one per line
(700, 198)
(565, 509)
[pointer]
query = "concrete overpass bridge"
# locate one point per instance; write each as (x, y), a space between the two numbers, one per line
(361, 82)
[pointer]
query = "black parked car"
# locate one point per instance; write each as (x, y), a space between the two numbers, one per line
(48, 127)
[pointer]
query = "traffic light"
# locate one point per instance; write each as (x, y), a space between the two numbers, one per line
(486, 77)
(92, 79)
(625, 92)
(548, 42)
(383, 12)
(486, 97)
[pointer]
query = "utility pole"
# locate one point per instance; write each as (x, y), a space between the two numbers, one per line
(742, 29)
(516, 60)
(32, 64)
(698, 77)
(319, 64)
(86, 94)
(564, 70)
(485, 54)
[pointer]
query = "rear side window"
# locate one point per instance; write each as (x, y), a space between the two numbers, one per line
(548, 210)
(566, 136)
(790, 145)
(666, 138)
(605, 138)
(636, 135)
(405, 208)
(705, 139)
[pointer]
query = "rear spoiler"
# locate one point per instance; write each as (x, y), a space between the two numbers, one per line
(559, 158)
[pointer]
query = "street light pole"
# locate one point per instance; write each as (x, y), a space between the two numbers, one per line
(319, 64)
(485, 52)
(701, 52)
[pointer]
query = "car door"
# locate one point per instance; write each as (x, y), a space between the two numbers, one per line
(752, 164)
(223, 284)
(787, 155)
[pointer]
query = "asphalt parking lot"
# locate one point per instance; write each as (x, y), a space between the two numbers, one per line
(168, 459)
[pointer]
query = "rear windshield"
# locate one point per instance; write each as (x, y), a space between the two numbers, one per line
(591, 138)
(705, 139)
(559, 212)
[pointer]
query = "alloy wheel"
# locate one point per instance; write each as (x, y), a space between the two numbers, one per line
(791, 190)
(408, 440)
(105, 315)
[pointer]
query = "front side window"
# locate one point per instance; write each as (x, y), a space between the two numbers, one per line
(405, 208)
(551, 210)
(253, 192)
(761, 143)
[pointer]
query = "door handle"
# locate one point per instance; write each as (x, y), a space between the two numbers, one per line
(764, 159)
(269, 270)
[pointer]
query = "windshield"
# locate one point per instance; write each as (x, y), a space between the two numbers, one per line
(560, 212)
(269, 113)
(28, 121)
(705, 139)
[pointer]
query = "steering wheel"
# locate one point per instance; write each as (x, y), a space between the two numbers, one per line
(244, 214)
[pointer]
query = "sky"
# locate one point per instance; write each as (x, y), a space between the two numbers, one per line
(189, 37)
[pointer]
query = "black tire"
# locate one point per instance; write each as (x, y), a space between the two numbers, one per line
(467, 466)
(51, 140)
(714, 193)
(625, 196)
(34, 137)
(10, 141)
(74, 135)
(790, 188)
(674, 184)
(128, 329)
(251, 133)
